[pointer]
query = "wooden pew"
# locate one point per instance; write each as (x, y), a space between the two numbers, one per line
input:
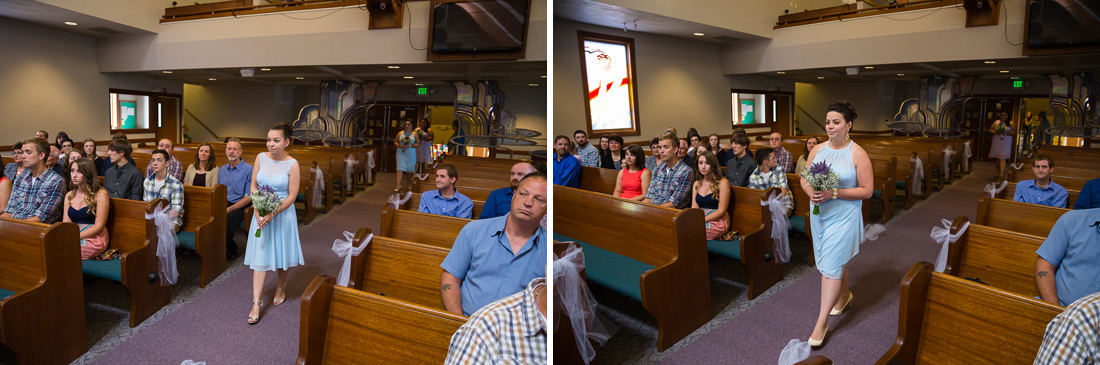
(667, 252)
(414, 205)
(41, 296)
(598, 180)
(884, 188)
(999, 257)
(800, 214)
(756, 249)
(203, 229)
(342, 325)
(135, 237)
(462, 183)
(399, 269)
(1009, 193)
(1071, 172)
(1015, 216)
(1068, 182)
(430, 229)
(947, 320)
(474, 193)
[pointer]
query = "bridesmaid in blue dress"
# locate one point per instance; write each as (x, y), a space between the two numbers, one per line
(840, 218)
(406, 142)
(278, 247)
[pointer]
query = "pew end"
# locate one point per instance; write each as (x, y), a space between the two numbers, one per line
(205, 220)
(136, 239)
(753, 222)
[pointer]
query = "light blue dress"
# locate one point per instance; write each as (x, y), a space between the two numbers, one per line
(841, 221)
(279, 246)
(406, 157)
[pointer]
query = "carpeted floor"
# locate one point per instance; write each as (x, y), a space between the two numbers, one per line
(755, 332)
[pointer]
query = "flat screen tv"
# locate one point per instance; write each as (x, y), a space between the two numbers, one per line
(478, 26)
(1063, 25)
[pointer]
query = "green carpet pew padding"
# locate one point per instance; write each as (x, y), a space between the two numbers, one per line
(301, 198)
(4, 293)
(110, 269)
(609, 269)
(731, 249)
(187, 240)
(900, 185)
(876, 194)
(798, 224)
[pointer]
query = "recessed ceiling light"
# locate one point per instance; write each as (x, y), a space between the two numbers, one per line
(408, 77)
(265, 69)
(780, 73)
(869, 67)
(821, 77)
(212, 79)
(393, 67)
(1004, 71)
(901, 74)
(300, 78)
(990, 62)
(70, 23)
(697, 34)
(532, 84)
(167, 72)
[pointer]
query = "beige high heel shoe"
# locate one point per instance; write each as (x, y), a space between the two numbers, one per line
(837, 312)
(817, 343)
(279, 301)
(254, 320)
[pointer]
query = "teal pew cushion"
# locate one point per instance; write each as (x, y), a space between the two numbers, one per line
(614, 271)
(876, 194)
(731, 249)
(301, 198)
(900, 185)
(111, 269)
(4, 293)
(187, 240)
(798, 224)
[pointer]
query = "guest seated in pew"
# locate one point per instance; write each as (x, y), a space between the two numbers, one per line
(740, 164)
(5, 191)
(508, 331)
(87, 150)
(589, 154)
(801, 165)
(1067, 268)
(174, 167)
(13, 169)
(61, 136)
(446, 200)
(671, 183)
(122, 179)
(633, 181)
(614, 156)
(1090, 196)
(652, 161)
(1042, 190)
(87, 205)
(494, 258)
(43, 134)
(66, 169)
(782, 156)
(52, 161)
(769, 174)
(162, 185)
(36, 194)
(567, 169)
(714, 146)
(236, 175)
(499, 201)
(682, 151)
(66, 147)
(711, 192)
(204, 172)
(1073, 337)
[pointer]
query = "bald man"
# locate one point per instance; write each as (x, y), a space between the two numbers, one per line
(500, 200)
(782, 156)
(174, 167)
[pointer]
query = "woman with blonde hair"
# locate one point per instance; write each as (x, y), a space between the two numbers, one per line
(87, 205)
(204, 172)
(710, 191)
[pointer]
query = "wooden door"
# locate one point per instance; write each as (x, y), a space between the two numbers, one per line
(780, 108)
(169, 114)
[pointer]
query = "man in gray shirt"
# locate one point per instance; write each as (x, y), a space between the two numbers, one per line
(122, 179)
(589, 155)
(740, 165)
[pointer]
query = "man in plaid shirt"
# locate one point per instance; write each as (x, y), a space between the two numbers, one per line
(589, 155)
(769, 174)
(1073, 336)
(671, 182)
(510, 330)
(782, 156)
(161, 185)
(35, 196)
(174, 167)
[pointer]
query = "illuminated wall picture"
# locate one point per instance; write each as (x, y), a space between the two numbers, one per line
(128, 114)
(610, 84)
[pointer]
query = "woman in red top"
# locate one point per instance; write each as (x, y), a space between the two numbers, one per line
(633, 181)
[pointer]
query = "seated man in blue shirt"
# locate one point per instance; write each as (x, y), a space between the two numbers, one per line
(447, 200)
(1043, 190)
(1090, 196)
(496, 257)
(236, 175)
(499, 201)
(1067, 266)
(567, 170)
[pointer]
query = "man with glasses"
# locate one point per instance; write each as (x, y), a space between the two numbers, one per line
(1067, 267)
(782, 156)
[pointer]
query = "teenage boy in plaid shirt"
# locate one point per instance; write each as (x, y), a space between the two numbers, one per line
(769, 174)
(35, 197)
(162, 185)
(671, 182)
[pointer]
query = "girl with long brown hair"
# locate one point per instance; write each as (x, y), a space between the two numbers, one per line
(710, 191)
(87, 205)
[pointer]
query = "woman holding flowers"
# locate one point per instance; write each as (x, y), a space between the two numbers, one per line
(406, 142)
(1001, 147)
(276, 246)
(837, 219)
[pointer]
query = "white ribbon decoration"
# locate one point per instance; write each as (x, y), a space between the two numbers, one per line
(993, 189)
(370, 166)
(349, 165)
(777, 203)
(943, 236)
(871, 231)
(948, 152)
(398, 202)
(918, 167)
(1016, 166)
(344, 249)
(318, 187)
(166, 244)
(966, 152)
(577, 303)
(422, 176)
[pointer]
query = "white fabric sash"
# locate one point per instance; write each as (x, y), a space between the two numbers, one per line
(918, 169)
(967, 155)
(1016, 166)
(166, 244)
(370, 166)
(344, 249)
(349, 165)
(577, 303)
(318, 187)
(948, 152)
(871, 231)
(398, 201)
(943, 236)
(993, 189)
(777, 203)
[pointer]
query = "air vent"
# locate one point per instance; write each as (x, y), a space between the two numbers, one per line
(726, 38)
(107, 31)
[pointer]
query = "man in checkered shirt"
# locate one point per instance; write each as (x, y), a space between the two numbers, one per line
(36, 194)
(510, 330)
(671, 182)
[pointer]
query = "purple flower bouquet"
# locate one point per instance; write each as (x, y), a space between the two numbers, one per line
(821, 178)
(265, 201)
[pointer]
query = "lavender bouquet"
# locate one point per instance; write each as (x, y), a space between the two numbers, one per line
(265, 201)
(821, 178)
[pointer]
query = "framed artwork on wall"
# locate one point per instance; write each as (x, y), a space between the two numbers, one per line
(610, 84)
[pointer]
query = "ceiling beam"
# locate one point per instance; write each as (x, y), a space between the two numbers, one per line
(227, 75)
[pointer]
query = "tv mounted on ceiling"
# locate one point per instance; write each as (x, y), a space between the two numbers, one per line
(1062, 27)
(464, 30)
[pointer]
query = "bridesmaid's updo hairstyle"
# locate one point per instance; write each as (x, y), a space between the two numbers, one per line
(285, 128)
(844, 108)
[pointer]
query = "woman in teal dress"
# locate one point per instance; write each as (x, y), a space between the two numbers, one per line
(406, 142)
(840, 219)
(278, 247)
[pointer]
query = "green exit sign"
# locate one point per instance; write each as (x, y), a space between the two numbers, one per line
(422, 91)
(1017, 84)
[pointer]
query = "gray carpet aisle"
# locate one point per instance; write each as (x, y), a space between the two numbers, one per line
(211, 327)
(868, 329)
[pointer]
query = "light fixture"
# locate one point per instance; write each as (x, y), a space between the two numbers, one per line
(300, 78)
(70, 23)
(408, 77)
(697, 34)
(265, 69)
(532, 84)
(419, 84)
(212, 79)
(901, 74)
(543, 76)
(868, 67)
(1004, 71)
(393, 67)
(167, 72)
(780, 73)
(821, 77)
(990, 62)
(1015, 77)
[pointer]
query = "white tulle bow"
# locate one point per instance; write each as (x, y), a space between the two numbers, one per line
(918, 169)
(943, 236)
(370, 166)
(1016, 166)
(344, 249)
(166, 244)
(398, 201)
(577, 303)
(967, 155)
(948, 152)
(777, 203)
(349, 165)
(318, 187)
(993, 189)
